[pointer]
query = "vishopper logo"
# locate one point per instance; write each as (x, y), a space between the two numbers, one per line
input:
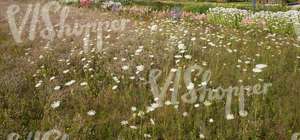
(206, 95)
(38, 135)
(295, 136)
(49, 33)
(297, 30)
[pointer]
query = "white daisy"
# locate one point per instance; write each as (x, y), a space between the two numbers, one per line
(149, 109)
(132, 77)
(52, 78)
(185, 114)
(114, 87)
(201, 136)
(152, 121)
(168, 103)
(83, 83)
(125, 67)
(138, 51)
(257, 70)
(66, 71)
(55, 104)
(140, 68)
(133, 108)
(38, 84)
(154, 27)
(243, 113)
(147, 135)
(124, 122)
(178, 56)
(133, 127)
(261, 66)
(141, 113)
(207, 103)
(229, 117)
(91, 113)
(56, 87)
(173, 70)
(190, 86)
(155, 105)
(176, 106)
(172, 89)
(70, 83)
(188, 57)
(203, 83)
(181, 47)
(116, 79)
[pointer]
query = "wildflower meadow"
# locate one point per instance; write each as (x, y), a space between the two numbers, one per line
(106, 70)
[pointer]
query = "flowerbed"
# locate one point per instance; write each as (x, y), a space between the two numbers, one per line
(279, 22)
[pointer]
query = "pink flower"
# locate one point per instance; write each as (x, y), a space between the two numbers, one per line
(200, 16)
(247, 21)
(85, 3)
(262, 22)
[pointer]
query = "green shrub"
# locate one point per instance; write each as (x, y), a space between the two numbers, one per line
(202, 7)
(197, 8)
(268, 8)
(278, 8)
(156, 5)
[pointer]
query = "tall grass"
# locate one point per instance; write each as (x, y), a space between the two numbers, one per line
(230, 54)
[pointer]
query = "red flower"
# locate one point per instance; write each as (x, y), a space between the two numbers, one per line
(85, 3)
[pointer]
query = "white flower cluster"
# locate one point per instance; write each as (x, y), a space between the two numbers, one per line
(70, 1)
(228, 14)
(110, 4)
(291, 16)
(275, 20)
(229, 11)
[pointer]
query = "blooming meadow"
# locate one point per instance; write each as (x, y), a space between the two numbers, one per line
(277, 22)
(171, 74)
(280, 22)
